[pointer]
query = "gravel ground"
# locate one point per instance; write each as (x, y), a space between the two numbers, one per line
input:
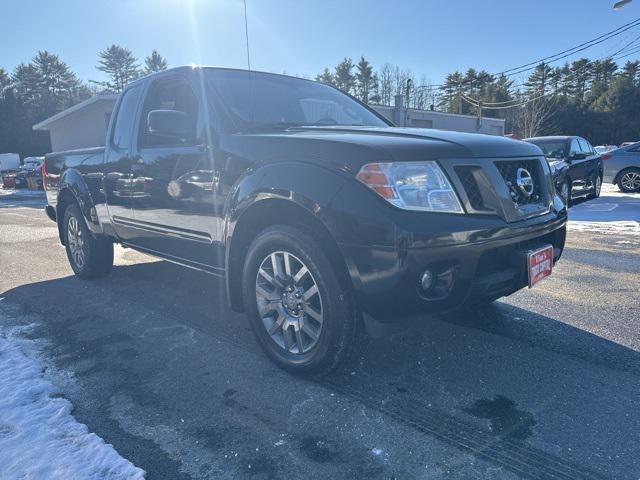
(543, 384)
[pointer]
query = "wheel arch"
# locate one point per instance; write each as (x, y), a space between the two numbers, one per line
(266, 212)
(73, 189)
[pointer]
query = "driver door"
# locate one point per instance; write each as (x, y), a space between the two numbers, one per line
(174, 180)
(577, 166)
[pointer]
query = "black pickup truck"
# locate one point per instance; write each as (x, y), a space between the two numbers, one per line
(314, 209)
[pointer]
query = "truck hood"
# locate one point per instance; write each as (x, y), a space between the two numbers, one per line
(359, 145)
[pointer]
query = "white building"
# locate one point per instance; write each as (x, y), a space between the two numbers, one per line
(85, 125)
(81, 126)
(411, 117)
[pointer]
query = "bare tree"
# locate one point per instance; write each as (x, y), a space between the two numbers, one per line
(385, 78)
(534, 118)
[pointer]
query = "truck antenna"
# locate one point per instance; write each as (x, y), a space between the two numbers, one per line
(246, 34)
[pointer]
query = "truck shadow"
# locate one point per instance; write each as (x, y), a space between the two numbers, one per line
(508, 385)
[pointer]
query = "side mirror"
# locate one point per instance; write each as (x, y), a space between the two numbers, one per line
(578, 156)
(170, 123)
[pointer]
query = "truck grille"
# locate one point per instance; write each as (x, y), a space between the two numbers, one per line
(509, 171)
(470, 185)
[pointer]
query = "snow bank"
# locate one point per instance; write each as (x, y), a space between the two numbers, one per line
(39, 438)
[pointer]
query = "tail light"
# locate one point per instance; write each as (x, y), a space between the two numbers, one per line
(43, 173)
(606, 156)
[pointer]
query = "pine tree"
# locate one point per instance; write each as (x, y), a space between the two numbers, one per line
(58, 86)
(631, 71)
(581, 73)
(364, 79)
(343, 77)
(325, 77)
(155, 63)
(539, 81)
(451, 99)
(121, 67)
(5, 81)
(375, 97)
(46, 85)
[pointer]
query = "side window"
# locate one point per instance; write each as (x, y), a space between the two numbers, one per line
(575, 148)
(123, 127)
(167, 94)
(584, 146)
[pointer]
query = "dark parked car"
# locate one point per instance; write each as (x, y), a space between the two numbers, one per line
(576, 166)
(314, 209)
(622, 167)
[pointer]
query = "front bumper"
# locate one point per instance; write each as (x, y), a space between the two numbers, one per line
(472, 266)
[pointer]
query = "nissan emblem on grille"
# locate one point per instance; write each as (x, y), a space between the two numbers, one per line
(524, 182)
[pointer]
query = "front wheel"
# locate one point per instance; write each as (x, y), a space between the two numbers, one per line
(629, 180)
(90, 256)
(597, 186)
(565, 193)
(301, 313)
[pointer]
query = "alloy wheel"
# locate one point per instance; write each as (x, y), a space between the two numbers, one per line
(289, 302)
(76, 242)
(631, 180)
(564, 193)
(598, 185)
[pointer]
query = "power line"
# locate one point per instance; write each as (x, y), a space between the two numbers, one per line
(577, 48)
(626, 46)
(558, 56)
(512, 103)
(489, 105)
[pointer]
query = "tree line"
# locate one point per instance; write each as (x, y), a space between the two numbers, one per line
(46, 85)
(597, 99)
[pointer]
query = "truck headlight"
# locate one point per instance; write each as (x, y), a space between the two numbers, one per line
(411, 185)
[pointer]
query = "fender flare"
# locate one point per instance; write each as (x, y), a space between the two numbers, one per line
(72, 183)
(274, 183)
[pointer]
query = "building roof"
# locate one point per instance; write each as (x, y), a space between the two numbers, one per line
(46, 124)
(551, 137)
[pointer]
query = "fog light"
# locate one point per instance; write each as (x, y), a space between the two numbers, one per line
(426, 280)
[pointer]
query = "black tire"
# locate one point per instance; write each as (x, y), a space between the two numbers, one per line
(341, 328)
(567, 200)
(97, 251)
(596, 187)
(622, 185)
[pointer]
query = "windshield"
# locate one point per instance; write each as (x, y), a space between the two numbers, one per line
(260, 100)
(552, 148)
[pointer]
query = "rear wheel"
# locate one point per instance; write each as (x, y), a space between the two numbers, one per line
(629, 180)
(90, 256)
(299, 310)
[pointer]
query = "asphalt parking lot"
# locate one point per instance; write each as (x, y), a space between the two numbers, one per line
(543, 384)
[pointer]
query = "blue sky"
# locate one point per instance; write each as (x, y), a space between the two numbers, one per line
(301, 37)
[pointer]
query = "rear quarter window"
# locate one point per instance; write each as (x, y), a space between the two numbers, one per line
(125, 117)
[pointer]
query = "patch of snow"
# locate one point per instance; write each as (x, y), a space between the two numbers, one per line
(628, 228)
(39, 438)
(614, 212)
